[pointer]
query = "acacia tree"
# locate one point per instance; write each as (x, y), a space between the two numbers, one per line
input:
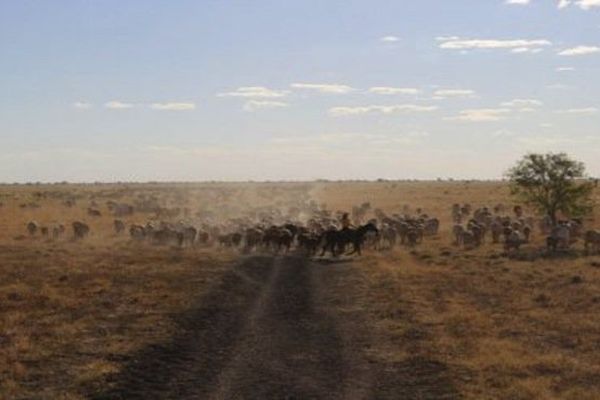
(552, 183)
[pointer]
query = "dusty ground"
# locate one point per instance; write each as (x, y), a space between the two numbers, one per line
(105, 319)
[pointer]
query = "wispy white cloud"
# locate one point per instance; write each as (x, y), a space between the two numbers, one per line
(518, 2)
(588, 4)
(173, 106)
(255, 92)
(579, 51)
(118, 105)
(378, 109)
(517, 103)
(565, 69)
(328, 88)
(254, 105)
(583, 4)
(385, 90)
(446, 38)
(82, 105)
(580, 111)
(389, 39)
(456, 43)
(522, 50)
(442, 94)
(564, 4)
(480, 115)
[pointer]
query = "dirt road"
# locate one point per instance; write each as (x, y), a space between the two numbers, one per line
(265, 333)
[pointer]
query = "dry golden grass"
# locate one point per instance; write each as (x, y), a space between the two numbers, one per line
(68, 314)
(507, 329)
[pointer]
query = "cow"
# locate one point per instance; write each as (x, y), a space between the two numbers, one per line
(592, 241)
(497, 229)
(58, 230)
(80, 230)
(431, 227)
(119, 226)
(92, 212)
(137, 232)
(514, 240)
(562, 234)
(32, 228)
(458, 232)
(189, 234)
(388, 236)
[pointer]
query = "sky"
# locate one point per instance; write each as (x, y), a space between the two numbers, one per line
(294, 90)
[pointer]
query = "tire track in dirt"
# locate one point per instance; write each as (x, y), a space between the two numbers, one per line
(264, 333)
(188, 366)
(291, 350)
(384, 365)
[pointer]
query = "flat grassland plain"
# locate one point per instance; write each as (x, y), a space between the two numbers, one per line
(110, 318)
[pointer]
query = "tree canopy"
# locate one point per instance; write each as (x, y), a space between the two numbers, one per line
(552, 183)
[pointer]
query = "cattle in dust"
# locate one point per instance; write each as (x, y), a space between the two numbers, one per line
(188, 235)
(202, 238)
(514, 241)
(32, 228)
(592, 241)
(388, 237)
(229, 240)
(137, 232)
(309, 241)
(80, 230)
(165, 236)
(58, 230)
(431, 227)
(119, 226)
(92, 212)
(120, 210)
(336, 240)
(458, 231)
(560, 237)
(69, 203)
(497, 230)
(254, 238)
(278, 238)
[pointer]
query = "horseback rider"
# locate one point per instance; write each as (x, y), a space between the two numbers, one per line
(346, 223)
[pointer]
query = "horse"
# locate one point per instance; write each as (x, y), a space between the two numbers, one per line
(339, 239)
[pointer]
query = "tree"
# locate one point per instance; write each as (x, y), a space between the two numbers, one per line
(552, 183)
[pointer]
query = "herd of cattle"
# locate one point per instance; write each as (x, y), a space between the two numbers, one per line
(324, 231)
(517, 229)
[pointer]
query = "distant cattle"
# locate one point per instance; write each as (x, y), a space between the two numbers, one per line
(137, 232)
(592, 241)
(119, 226)
(514, 240)
(32, 228)
(58, 230)
(188, 235)
(92, 212)
(80, 230)
(120, 210)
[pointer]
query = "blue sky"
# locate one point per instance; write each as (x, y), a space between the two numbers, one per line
(262, 90)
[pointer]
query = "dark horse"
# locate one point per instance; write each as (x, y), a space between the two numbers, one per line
(337, 240)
